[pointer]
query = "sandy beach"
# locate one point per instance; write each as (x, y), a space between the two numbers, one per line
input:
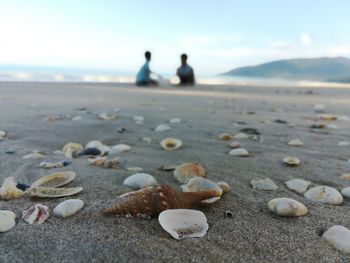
(253, 234)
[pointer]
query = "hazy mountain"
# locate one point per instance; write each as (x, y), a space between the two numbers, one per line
(321, 69)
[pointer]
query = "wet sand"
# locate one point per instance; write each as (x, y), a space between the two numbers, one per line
(253, 234)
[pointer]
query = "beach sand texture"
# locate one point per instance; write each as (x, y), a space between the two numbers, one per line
(253, 234)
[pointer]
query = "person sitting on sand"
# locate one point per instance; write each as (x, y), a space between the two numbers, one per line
(185, 72)
(143, 77)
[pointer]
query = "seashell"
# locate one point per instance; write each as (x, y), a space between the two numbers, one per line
(34, 155)
(161, 128)
(287, 207)
(90, 151)
(54, 180)
(240, 152)
(198, 184)
(344, 143)
(339, 237)
(346, 192)
(171, 144)
(264, 184)
(139, 180)
(147, 139)
(111, 163)
(224, 186)
(332, 126)
(2, 135)
(134, 169)
(98, 145)
(68, 207)
(7, 220)
(77, 118)
(319, 106)
(9, 189)
(183, 223)
(345, 176)
(98, 161)
(235, 145)
(58, 152)
(225, 137)
(72, 149)
(36, 214)
(324, 194)
(53, 192)
(154, 199)
(186, 171)
(175, 120)
(343, 118)
(228, 214)
(52, 118)
(49, 165)
(292, 161)
(318, 126)
(119, 148)
(327, 117)
(139, 119)
(258, 138)
(241, 135)
(107, 117)
(298, 185)
(295, 142)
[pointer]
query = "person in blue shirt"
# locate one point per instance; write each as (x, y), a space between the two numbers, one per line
(185, 72)
(143, 77)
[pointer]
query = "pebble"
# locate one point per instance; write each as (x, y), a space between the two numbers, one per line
(240, 152)
(235, 145)
(338, 236)
(324, 194)
(139, 180)
(346, 192)
(295, 142)
(298, 185)
(287, 207)
(264, 184)
(68, 207)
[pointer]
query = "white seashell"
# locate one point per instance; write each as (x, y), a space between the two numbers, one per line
(36, 214)
(343, 118)
(184, 172)
(264, 184)
(7, 220)
(53, 192)
(287, 207)
(346, 192)
(339, 237)
(107, 117)
(98, 161)
(171, 144)
(104, 149)
(119, 148)
(134, 169)
(295, 142)
(292, 161)
(58, 152)
(175, 120)
(139, 118)
(332, 126)
(9, 190)
(54, 180)
(161, 128)
(344, 143)
(298, 185)
(241, 152)
(77, 118)
(324, 194)
(72, 149)
(68, 207)
(139, 122)
(147, 139)
(241, 135)
(235, 145)
(34, 155)
(224, 186)
(2, 135)
(319, 106)
(49, 165)
(182, 223)
(198, 184)
(139, 180)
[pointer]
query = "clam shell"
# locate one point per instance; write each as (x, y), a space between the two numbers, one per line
(264, 184)
(53, 192)
(34, 155)
(7, 220)
(107, 117)
(292, 161)
(235, 145)
(225, 137)
(295, 142)
(171, 144)
(175, 120)
(37, 214)
(186, 171)
(298, 185)
(324, 194)
(54, 180)
(2, 135)
(119, 148)
(9, 189)
(161, 128)
(183, 223)
(68, 207)
(139, 180)
(240, 152)
(199, 184)
(339, 237)
(287, 207)
(346, 192)
(72, 149)
(241, 135)
(224, 186)
(49, 165)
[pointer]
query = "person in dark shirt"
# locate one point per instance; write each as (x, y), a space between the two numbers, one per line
(185, 72)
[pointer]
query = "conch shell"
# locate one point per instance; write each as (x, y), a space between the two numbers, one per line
(152, 200)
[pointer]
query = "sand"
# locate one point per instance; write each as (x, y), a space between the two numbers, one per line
(253, 234)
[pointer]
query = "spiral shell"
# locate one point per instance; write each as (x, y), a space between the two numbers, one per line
(153, 200)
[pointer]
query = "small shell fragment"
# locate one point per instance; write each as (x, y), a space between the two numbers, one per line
(53, 192)
(241, 135)
(9, 189)
(68, 207)
(235, 145)
(2, 135)
(324, 194)
(344, 143)
(292, 161)
(224, 186)
(107, 117)
(134, 169)
(71, 150)
(240, 152)
(264, 184)
(186, 171)
(198, 184)
(171, 144)
(119, 148)
(54, 180)
(298, 185)
(139, 180)
(338, 236)
(7, 220)
(34, 155)
(104, 149)
(225, 137)
(147, 139)
(175, 120)
(37, 214)
(287, 207)
(327, 117)
(295, 142)
(139, 119)
(183, 223)
(345, 176)
(49, 165)
(161, 128)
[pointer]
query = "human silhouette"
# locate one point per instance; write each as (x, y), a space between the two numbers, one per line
(143, 77)
(185, 72)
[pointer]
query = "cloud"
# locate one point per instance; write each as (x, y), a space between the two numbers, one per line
(305, 39)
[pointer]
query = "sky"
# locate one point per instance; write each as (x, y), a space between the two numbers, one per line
(217, 35)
